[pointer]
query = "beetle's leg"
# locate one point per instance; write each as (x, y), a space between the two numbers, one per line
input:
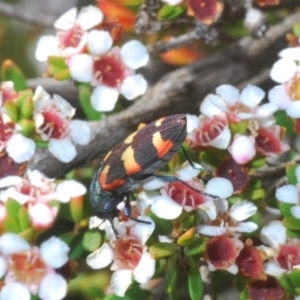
(127, 210)
(203, 171)
(173, 178)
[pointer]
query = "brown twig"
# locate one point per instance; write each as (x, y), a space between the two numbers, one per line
(178, 92)
(28, 16)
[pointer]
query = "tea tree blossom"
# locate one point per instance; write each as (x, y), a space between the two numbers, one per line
(30, 270)
(128, 255)
(53, 123)
(72, 33)
(35, 190)
(112, 72)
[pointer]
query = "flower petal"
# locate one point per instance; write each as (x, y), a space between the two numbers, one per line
(46, 46)
(209, 108)
(81, 67)
(66, 21)
(279, 96)
(143, 231)
(297, 171)
(80, 132)
(53, 287)
(3, 266)
(20, 148)
(11, 243)
(120, 281)
(192, 123)
(10, 180)
(100, 258)
(68, 189)
(164, 207)
(283, 70)
(273, 234)
(42, 215)
(293, 109)
(186, 172)
(242, 210)
(246, 227)
(211, 230)
(104, 98)
(252, 95)
(154, 184)
(14, 290)
(134, 86)
(89, 17)
(145, 269)
(295, 211)
(99, 41)
(273, 269)
(287, 193)
(291, 53)
(63, 149)
(220, 187)
(228, 93)
(134, 54)
(54, 252)
(242, 149)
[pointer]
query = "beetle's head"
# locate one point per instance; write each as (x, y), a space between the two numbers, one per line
(102, 202)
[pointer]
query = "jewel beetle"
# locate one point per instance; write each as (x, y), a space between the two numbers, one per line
(132, 162)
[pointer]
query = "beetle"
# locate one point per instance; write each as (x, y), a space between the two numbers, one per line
(132, 162)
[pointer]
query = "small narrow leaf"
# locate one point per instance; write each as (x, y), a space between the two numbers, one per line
(195, 283)
(91, 240)
(160, 250)
(171, 276)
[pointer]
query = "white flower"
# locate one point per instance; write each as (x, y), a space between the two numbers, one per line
(72, 33)
(53, 122)
(111, 71)
(231, 221)
(142, 269)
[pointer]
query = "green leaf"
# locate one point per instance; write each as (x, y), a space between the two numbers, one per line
(27, 126)
(91, 240)
(41, 144)
(258, 163)
(291, 173)
(76, 247)
(294, 277)
(212, 157)
(171, 276)
(160, 250)
(283, 120)
(296, 29)
(12, 110)
(24, 220)
(62, 75)
(196, 247)
(76, 209)
(11, 72)
(10, 224)
(293, 233)
(244, 295)
(187, 238)
(285, 209)
(58, 62)
(85, 102)
(291, 223)
(195, 283)
(115, 297)
(12, 208)
(27, 108)
(285, 282)
(169, 12)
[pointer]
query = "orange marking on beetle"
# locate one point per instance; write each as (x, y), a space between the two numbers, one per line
(129, 139)
(131, 166)
(162, 146)
(111, 185)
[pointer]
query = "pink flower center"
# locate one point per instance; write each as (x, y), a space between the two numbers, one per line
(210, 129)
(128, 252)
(221, 251)
(70, 38)
(109, 70)
(266, 141)
(27, 268)
(54, 126)
(184, 195)
(6, 130)
(289, 256)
